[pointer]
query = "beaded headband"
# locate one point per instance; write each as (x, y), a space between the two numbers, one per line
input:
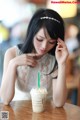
(50, 18)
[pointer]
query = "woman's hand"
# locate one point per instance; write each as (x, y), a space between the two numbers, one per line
(26, 59)
(61, 52)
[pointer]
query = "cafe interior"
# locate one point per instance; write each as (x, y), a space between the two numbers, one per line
(14, 19)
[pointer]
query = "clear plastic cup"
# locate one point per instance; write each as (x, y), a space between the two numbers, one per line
(38, 96)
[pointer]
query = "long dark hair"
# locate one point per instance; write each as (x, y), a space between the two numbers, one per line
(55, 29)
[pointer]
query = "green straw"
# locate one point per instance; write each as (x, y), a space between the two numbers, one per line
(38, 79)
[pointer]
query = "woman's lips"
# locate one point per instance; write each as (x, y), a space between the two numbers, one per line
(42, 51)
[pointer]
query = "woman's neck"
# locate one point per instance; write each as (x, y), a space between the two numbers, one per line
(37, 57)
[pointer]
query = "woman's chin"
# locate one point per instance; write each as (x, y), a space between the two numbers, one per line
(41, 54)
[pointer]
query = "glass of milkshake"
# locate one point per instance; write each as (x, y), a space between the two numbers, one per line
(38, 96)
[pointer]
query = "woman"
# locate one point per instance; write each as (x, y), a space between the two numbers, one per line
(43, 50)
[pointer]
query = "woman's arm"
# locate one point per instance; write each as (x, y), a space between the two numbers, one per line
(59, 85)
(9, 76)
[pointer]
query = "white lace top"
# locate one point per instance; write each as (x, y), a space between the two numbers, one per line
(27, 77)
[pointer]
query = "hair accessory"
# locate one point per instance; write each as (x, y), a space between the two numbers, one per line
(50, 19)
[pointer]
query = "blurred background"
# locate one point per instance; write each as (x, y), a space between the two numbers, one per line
(14, 19)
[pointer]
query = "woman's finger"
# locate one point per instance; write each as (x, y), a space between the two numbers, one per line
(61, 42)
(34, 55)
(31, 62)
(62, 45)
(30, 57)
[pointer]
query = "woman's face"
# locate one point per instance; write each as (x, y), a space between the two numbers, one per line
(42, 42)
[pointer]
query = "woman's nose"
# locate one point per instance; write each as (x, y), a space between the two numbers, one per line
(44, 45)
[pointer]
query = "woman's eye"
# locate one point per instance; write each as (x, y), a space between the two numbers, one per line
(52, 42)
(39, 39)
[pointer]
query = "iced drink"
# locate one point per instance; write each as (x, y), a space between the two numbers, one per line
(38, 96)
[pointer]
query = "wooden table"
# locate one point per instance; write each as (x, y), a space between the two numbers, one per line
(22, 110)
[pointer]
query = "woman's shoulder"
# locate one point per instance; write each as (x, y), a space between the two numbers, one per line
(10, 54)
(11, 51)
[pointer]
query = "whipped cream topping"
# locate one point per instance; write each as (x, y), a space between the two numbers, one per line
(39, 90)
